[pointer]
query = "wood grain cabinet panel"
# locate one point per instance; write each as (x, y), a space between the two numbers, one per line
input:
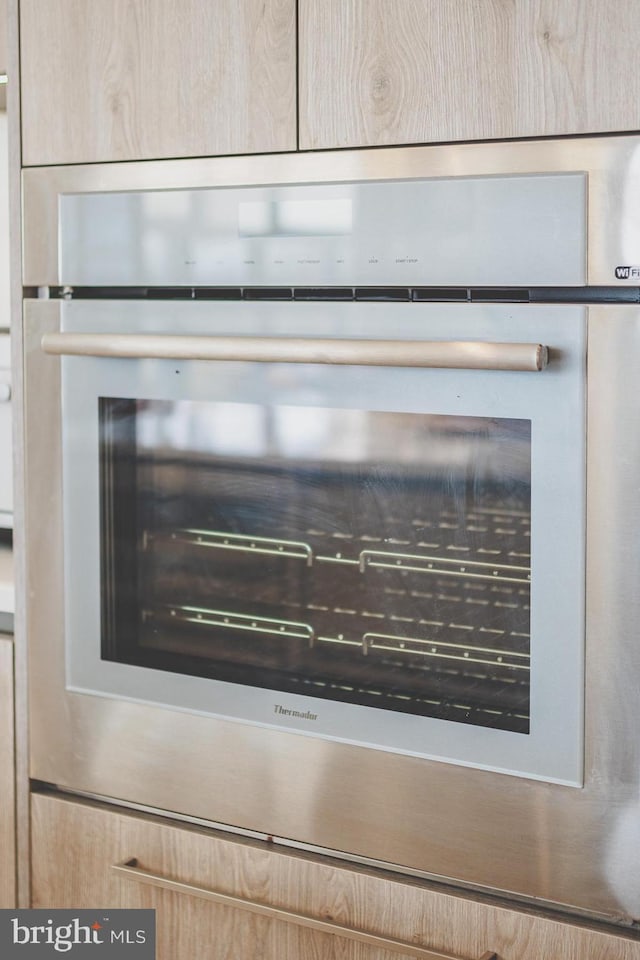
(7, 777)
(139, 79)
(75, 844)
(374, 72)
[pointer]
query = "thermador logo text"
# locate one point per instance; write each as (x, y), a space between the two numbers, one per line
(283, 711)
(116, 934)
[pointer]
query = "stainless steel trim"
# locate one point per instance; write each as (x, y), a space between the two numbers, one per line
(536, 858)
(397, 870)
(463, 355)
(130, 870)
(611, 164)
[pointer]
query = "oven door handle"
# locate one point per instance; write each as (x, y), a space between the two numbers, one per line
(456, 354)
(130, 870)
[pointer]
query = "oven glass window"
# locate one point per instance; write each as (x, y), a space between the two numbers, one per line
(368, 557)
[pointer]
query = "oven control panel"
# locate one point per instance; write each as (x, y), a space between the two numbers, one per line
(503, 230)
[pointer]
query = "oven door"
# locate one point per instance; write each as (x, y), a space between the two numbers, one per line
(365, 549)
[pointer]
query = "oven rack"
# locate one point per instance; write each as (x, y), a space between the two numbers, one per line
(451, 628)
(366, 558)
(371, 643)
(455, 690)
(448, 708)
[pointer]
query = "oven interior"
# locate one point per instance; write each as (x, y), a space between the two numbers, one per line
(370, 557)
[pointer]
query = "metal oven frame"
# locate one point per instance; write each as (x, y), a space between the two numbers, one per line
(578, 848)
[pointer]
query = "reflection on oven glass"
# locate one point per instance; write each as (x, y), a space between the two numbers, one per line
(368, 557)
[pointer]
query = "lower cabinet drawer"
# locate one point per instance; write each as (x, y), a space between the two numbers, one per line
(224, 897)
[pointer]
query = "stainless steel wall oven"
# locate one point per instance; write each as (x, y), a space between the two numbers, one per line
(334, 460)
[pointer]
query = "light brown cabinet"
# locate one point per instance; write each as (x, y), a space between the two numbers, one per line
(156, 78)
(77, 844)
(373, 72)
(7, 776)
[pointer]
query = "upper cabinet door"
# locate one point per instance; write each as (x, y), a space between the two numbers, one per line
(138, 79)
(374, 72)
